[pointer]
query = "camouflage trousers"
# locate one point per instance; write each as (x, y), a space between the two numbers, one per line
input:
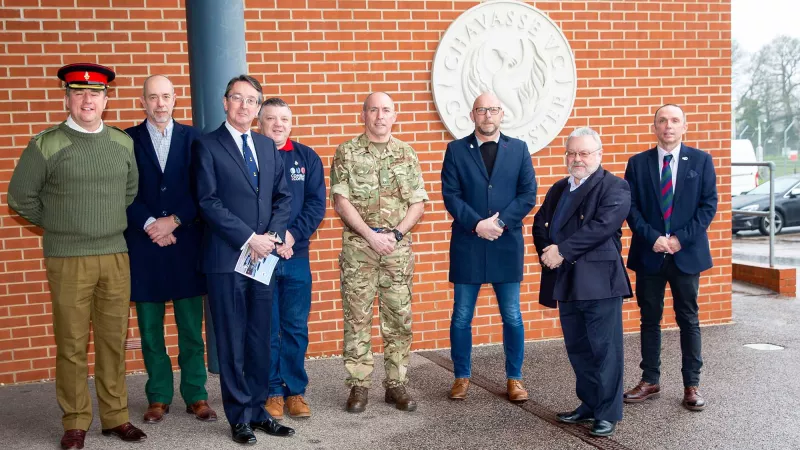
(363, 274)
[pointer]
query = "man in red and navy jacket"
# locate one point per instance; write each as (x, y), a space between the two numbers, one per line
(292, 293)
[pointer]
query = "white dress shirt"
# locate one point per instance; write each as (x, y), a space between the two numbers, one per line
(673, 165)
(74, 125)
(237, 137)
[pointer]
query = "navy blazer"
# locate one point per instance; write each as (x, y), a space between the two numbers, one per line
(160, 274)
(232, 208)
(694, 204)
(471, 195)
(589, 241)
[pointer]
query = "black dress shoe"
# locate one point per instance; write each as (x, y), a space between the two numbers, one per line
(574, 417)
(272, 428)
(603, 428)
(242, 433)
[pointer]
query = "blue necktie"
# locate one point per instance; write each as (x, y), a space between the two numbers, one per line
(666, 192)
(250, 162)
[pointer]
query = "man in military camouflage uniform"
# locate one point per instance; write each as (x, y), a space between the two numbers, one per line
(378, 191)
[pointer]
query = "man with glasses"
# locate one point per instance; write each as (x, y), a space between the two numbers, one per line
(378, 191)
(244, 199)
(577, 235)
(674, 199)
(488, 186)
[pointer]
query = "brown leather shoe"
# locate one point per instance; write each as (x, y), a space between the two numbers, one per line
(459, 389)
(202, 411)
(274, 407)
(297, 406)
(692, 400)
(127, 432)
(359, 397)
(516, 392)
(401, 398)
(73, 439)
(155, 412)
(642, 392)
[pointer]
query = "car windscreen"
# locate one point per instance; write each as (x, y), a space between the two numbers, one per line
(781, 185)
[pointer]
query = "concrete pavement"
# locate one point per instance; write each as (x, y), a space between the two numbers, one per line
(751, 394)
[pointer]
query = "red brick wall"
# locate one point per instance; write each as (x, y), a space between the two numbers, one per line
(632, 56)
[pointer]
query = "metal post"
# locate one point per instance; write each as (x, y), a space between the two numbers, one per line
(217, 50)
(759, 149)
(772, 214)
(785, 147)
(746, 127)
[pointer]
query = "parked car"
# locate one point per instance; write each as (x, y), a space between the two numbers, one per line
(743, 178)
(787, 206)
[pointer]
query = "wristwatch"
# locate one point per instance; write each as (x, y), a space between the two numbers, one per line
(176, 220)
(275, 236)
(397, 234)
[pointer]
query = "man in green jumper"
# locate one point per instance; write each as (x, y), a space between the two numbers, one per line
(75, 180)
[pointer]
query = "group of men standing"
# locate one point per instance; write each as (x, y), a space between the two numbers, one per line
(161, 213)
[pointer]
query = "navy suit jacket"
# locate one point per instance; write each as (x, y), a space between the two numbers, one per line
(160, 274)
(471, 195)
(588, 239)
(232, 208)
(694, 204)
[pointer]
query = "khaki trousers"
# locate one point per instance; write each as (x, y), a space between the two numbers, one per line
(97, 289)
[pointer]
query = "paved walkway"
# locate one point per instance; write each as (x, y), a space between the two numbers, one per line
(752, 400)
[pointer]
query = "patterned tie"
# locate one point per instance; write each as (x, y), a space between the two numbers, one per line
(666, 192)
(250, 162)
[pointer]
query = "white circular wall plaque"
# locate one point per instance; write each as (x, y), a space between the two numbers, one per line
(515, 51)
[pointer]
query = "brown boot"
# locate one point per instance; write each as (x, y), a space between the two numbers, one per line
(155, 412)
(692, 400)
(359, 397)
(297, 406)
(516, 392)
(459, 389)
(202, 411)
(401, 398)
(274, 407)
(642, 392)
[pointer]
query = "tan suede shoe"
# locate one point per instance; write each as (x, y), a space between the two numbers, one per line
(516, 392)
(275, 407)
(459, 389)
(297, 406)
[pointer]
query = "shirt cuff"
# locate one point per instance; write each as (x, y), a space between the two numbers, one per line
(246, 242)
(148, 222)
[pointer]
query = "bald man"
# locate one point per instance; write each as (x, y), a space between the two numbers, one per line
(378, 191)
(488, 186)
(164, 241)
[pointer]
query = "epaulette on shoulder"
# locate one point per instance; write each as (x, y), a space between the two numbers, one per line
(45, 131)
(119, 135)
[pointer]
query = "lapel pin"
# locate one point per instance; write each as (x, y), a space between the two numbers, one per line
(685, 158)
(470, 146)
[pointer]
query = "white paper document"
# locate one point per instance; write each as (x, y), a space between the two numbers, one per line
(260, 269)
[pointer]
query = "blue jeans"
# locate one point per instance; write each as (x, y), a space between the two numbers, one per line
(289, 339)
(466, 295)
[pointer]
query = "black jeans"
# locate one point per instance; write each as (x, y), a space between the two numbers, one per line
(650, 297)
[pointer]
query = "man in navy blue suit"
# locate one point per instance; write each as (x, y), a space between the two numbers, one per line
(673, 200)
(245, 201)
(577, 235)
(164, 243)
(488, 186)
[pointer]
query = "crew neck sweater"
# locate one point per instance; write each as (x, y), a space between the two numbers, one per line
(76, 186)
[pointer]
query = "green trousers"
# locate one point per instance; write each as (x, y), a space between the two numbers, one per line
(191, 351)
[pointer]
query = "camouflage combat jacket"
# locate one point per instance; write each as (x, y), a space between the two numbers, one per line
(380, 185)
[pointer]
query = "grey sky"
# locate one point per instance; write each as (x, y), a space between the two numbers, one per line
(756, 22)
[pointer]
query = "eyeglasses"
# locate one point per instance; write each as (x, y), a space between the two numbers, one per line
(494, 110)
(249, 101)
(583, 155)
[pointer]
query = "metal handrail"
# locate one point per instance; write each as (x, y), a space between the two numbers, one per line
(771, 212)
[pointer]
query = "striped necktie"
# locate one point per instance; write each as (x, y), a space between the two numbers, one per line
(250, 162)
(666, 192)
